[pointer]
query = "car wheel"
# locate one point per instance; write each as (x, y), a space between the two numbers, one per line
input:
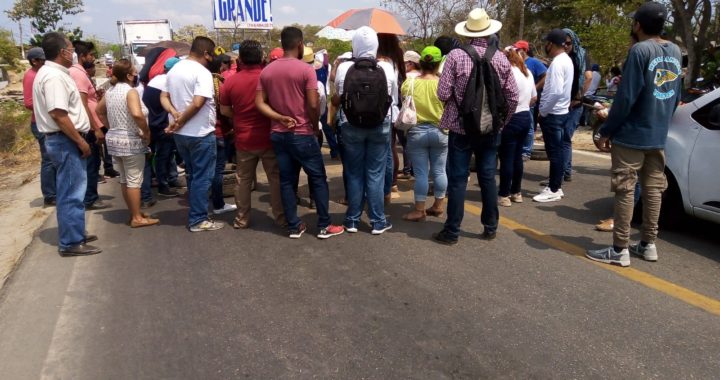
(672, 212)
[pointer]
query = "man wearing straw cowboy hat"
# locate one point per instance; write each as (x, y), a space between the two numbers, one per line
(451, 90)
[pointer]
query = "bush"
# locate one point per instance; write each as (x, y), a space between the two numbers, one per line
(15, 134)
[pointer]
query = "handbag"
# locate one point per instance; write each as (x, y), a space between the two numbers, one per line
(407, 118)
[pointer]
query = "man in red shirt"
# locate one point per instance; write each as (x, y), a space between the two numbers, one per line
(36, 57)
(86, 53)
(252, 134)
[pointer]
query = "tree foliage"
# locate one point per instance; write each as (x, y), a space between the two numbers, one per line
(46, 16)
(188, 32)
(9, 54)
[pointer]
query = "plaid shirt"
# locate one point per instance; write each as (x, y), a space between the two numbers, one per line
(454, 80)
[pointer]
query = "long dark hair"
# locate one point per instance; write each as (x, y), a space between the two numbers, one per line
(389, 47)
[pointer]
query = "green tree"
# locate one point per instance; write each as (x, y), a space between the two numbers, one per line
(9, 53)
(46, 16)
(188, 32)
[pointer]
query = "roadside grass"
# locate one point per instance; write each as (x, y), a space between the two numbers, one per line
(15, 134)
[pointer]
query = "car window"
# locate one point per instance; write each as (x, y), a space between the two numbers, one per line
(709, 115)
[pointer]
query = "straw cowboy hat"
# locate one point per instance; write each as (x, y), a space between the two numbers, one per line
(478, 24)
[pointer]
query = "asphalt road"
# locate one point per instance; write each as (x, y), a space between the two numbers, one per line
(164, 303)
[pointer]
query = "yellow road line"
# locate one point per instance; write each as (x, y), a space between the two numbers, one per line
(688, 296)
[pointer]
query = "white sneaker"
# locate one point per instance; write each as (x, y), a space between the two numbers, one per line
(227, 208)
(504, 201)
(548, 195)
(648, 252)
(207, 225)
(516, 198)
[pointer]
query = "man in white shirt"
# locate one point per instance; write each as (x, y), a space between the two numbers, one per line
(190, 103)
(61, 116)
(554, 108)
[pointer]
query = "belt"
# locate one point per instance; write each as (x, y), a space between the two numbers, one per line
(83, 134)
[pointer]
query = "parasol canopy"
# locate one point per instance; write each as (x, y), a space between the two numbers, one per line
(335, 33)
(382, 21)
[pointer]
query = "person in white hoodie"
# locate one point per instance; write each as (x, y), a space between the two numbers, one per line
(365, 149)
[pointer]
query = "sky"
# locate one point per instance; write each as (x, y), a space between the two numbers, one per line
(100, 16)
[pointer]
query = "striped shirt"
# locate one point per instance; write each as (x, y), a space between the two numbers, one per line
(454, 81)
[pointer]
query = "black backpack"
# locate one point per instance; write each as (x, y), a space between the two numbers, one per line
(365, 100)
(484, 108)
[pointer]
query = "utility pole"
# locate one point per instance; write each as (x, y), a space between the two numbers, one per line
(22, 44)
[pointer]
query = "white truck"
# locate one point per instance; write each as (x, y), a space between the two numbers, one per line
(135, 35)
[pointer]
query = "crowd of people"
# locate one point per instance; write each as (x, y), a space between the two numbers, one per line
(444, 105)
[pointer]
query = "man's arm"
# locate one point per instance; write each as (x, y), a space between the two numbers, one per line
(552, 90)
(588, 82)
(27, 95)
(167, 105)
(63, 121)
(541, 83)
(227, 111)
(99, 135)
(195, 105)
(312, 106)
(447, 79)
(101, 111)
(261, 102)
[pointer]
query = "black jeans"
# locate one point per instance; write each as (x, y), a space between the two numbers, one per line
(511, 150)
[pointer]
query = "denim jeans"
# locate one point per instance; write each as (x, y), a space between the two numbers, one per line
(71, 183)
(218, 200)
(427, 148)
(341, 151)
(198, 153)
(570, 126)
(93, 170)
(47, 169)
(530, 138)
(366, 152)
(330, 136)
(553, 129)
(165, 166)
(511, 151)
(146, 194)
(291, 149)
(460, 149)
(389, 175)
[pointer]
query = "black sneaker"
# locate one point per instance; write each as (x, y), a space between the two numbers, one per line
(111, 173)
(168, 193)
(488, 235)
(296, 233)
(567, 178)
(443, 237)
(50, 203)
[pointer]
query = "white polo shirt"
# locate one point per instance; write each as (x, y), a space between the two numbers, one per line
(53, 89)
(184, 81)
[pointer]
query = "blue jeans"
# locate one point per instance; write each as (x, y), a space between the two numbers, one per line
(291, 149)
(47, 170)
(366, 154)
(198, 153)
(329, 136)
(570, 126)
(165, 166)
(146, 194)
(71, 183)
(93, 170)
(460, 149)
(511, 151)
(427, 148)
(530, 138)
(218, 200)
(389, 165)
(553, 129)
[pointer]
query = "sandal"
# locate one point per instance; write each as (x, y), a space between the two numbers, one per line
(431, 212)
(147, 222)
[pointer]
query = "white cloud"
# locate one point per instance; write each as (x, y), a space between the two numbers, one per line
(287, 9)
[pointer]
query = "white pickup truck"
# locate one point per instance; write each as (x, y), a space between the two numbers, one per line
(135, 35)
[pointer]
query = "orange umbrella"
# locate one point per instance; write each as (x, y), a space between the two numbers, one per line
(380, 20)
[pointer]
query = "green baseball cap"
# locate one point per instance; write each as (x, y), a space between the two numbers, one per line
(431, 54)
